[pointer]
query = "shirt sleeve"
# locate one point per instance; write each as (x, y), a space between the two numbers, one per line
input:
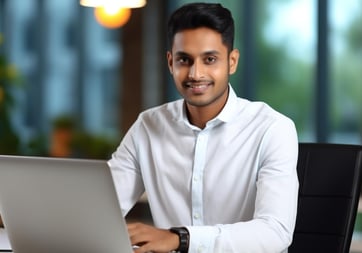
(126, 172)
(272, 226)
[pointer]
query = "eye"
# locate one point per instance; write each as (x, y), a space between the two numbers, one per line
(210, 59)
(183, 60)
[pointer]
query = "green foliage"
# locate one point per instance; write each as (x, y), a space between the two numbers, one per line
(354, 35)
(82, 145)
(347, 88)
(9, 77)
(91, 146)
(64, 121)
(287, 82)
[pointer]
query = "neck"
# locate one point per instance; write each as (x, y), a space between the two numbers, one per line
(200, 115)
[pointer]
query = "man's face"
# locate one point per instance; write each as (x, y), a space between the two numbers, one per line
(201, 65)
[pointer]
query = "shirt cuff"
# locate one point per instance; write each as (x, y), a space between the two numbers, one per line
(202, 238)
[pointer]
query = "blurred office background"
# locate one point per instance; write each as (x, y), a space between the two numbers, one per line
(61, 69)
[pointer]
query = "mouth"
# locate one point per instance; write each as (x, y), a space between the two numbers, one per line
(197, 86)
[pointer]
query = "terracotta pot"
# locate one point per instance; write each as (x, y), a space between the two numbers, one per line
(61, 143)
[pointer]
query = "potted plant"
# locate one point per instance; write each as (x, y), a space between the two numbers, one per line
(62, 136)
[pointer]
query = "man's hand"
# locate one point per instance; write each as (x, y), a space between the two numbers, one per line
(151, 239)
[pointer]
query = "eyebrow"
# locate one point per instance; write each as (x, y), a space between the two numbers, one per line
(211, 52)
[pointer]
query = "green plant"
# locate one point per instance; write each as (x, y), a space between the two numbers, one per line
(64, 122)
(9, 77)
(91, 146)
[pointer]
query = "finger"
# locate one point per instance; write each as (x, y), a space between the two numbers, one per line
(132, 226)
(139, 235)
(145, 248)
(134, 229)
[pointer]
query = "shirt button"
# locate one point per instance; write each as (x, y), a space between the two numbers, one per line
(196, 215)
(196, 178)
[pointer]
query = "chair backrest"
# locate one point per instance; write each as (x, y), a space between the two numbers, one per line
(330, 185)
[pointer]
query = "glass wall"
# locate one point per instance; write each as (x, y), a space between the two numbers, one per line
(346, 71)
(286, 37)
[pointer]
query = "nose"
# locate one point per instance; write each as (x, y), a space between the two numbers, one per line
(196, 70)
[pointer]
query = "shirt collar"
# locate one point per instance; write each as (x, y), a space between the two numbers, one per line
(226, 113)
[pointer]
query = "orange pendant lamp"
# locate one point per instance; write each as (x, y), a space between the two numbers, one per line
(112, 18)
(113, 14)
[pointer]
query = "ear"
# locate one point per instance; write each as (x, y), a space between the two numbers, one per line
(169, 61)
(233, 61)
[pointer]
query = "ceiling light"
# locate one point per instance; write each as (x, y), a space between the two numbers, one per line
(114, 3)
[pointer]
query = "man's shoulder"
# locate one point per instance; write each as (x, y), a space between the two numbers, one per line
(167, 110)
(261, 110)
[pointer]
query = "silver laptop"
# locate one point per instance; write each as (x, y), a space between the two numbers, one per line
(61, 205)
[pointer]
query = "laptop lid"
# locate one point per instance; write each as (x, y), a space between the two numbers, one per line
(61, 205)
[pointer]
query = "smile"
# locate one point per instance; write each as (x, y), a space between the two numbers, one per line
(197, 85)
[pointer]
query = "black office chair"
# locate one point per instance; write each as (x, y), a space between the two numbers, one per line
(330, 183)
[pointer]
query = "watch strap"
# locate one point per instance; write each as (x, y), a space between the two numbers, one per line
(183, 234)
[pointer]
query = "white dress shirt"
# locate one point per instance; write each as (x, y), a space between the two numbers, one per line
(233, 184)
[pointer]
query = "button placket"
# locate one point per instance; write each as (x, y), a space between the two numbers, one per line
(197, 182)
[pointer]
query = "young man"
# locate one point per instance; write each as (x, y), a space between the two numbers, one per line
(219, 171)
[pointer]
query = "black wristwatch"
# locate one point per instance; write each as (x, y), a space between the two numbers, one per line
(183, 235)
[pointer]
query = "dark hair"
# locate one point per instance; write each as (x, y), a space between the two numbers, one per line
(196, 15)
